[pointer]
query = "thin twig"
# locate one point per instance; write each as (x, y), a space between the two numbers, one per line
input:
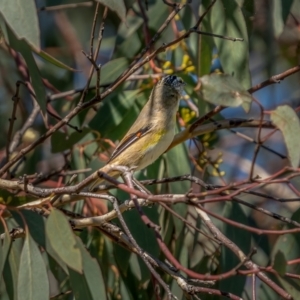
(219, 36)
(66, 6)
(12, 119)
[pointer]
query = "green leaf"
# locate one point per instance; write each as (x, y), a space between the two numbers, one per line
(63, 240)
(266, 292)
(4, 249)
(135, 267)
(242, 239)
(61, 141)
(130, 47)
(3, 292)
(248, 9)
(116, 5)
(112, 70)
(78, 163)
(34, 222)
(11, 268)
(289, 247)
(157, 14)
(280, 263)
(122, 257)
(51, 59)
(280, 12)
(143, 235)
(131, 28)
(113, 112)
(177, 163)
(287, 121)
(167, 226)
(61, 275)
(90, 284)
(36, 226)
(32, 278)
(128, 39)
(204, 51)
(227, 19)
(21, 17)
(225, 90)
(125, 290)
(36, 79)
(79, 286)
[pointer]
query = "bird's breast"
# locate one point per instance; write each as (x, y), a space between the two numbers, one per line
(158, 147)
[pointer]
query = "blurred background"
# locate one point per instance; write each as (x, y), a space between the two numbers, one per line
(271, 45)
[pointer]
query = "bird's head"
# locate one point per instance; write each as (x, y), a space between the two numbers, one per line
(173, 81)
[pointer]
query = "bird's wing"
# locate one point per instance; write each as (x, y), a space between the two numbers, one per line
(128, 140)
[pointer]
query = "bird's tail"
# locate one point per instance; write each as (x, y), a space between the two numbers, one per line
(98, 180)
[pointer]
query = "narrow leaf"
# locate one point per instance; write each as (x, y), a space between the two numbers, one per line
(79, 286)
(117, 6)
(226, 18)
(61, 141)
(225, 90)
(51, 59)
(112, 69)
(34, 222)
(62, 240)
(177, 163)
(36, 226)
(32, 278)
(280, 263)
(11, 268)
(36, 78)
(21, 17)
(92, 273)
(238, 236)
(114, 112)
(4, 249)
(288, 246)
(280, 12)
(287, 121)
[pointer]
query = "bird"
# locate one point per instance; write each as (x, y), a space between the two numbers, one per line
(152, 132)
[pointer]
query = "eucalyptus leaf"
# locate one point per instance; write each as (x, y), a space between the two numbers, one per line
(21, 17)
(287, 248)
(51, 59)
(177, 163)
(112, 70)
(113, 112)
(116, 5)
(122, 258)
(226, 18)
(287, 121)
(280, 12)
(225, 90)
(24, 48)
(4, 249)
(91, 278)
(280, 263)
(61, 141)
(242, 239)
(36, 225)
(62, 240)
(79, 286)
(33, 281)
(11, 268)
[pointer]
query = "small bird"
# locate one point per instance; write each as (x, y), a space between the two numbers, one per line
(152, 132)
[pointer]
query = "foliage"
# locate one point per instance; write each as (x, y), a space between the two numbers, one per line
(220, 204)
